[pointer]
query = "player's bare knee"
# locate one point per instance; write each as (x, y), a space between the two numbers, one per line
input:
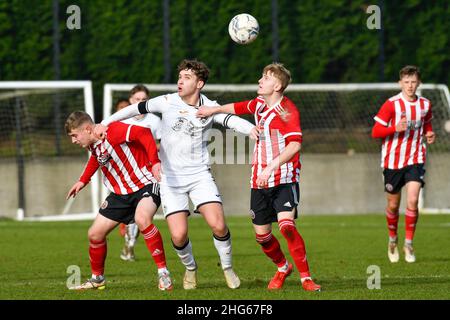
(412, 205)
(142, 220)
(179, 240)
(95, 235)
(220, 230)
(393, 206)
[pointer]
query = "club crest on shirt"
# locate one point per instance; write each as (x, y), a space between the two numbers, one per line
(103, 158)
(185, 126)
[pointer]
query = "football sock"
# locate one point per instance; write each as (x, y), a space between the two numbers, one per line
(97, 256)
(392, 222)
(223, 247)
(284, 268)
(271, 247)
(186, 255)
(296, 246)
(163, 270)
(411, 217)
(131, 234)
(154, 243)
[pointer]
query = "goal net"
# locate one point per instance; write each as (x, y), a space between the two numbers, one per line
(341, 162)
(39, 163)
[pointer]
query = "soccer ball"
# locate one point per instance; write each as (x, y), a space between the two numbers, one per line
(243, 28)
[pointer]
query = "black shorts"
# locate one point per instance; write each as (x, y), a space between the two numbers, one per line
(395, 179)
(121, 208)
(265, 204)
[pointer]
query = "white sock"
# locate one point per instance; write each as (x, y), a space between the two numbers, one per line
(284, 268)
(186, 255)
(131, 234)
(392, 239)
(306, 278)
(163, 270)
(97, 277)
(223, 247)
(408, 243)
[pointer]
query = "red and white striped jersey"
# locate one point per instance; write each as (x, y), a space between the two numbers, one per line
(281, 125)
(125, 157)
(404, 148)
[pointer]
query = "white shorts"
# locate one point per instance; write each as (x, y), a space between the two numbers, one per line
(201, 190)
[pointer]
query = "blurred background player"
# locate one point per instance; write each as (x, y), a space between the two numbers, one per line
(126, 157)
(137, 94)
(404, 125)
(275, 171)
(185, 166)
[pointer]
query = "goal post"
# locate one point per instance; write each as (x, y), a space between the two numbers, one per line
(37, 156)
(336, 121)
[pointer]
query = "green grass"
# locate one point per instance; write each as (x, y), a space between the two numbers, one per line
(34, 258)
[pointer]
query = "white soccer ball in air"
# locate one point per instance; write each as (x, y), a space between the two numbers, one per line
(243, 28)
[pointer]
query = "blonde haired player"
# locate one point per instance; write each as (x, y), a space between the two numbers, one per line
(126, 158)
(275, 171)
(404, 125)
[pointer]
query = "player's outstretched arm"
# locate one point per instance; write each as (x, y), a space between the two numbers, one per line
(125, 113)
(204, 112)
(75, 189)
(234, 122)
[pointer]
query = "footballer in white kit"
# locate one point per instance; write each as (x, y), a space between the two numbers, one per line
(183, 151)
(184, 172)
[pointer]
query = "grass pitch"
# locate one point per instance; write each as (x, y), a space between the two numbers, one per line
(35, 257)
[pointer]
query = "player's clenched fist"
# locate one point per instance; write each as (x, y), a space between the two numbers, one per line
(430, 137)
(100, 131)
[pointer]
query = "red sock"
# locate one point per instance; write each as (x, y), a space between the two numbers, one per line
(122, 229)
(392, 222)
(97, 256)
(411, 217)
(271, 247)
(154, 243)
(296, 246)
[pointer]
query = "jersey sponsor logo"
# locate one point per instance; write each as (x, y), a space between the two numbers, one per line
(414, 124)
(103, 158)
(104, 205)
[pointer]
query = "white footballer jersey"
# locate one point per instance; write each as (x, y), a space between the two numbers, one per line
(149, 120)
(183, 147)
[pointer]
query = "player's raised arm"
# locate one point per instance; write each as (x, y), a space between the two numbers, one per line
(204, 112)
(234, 122)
